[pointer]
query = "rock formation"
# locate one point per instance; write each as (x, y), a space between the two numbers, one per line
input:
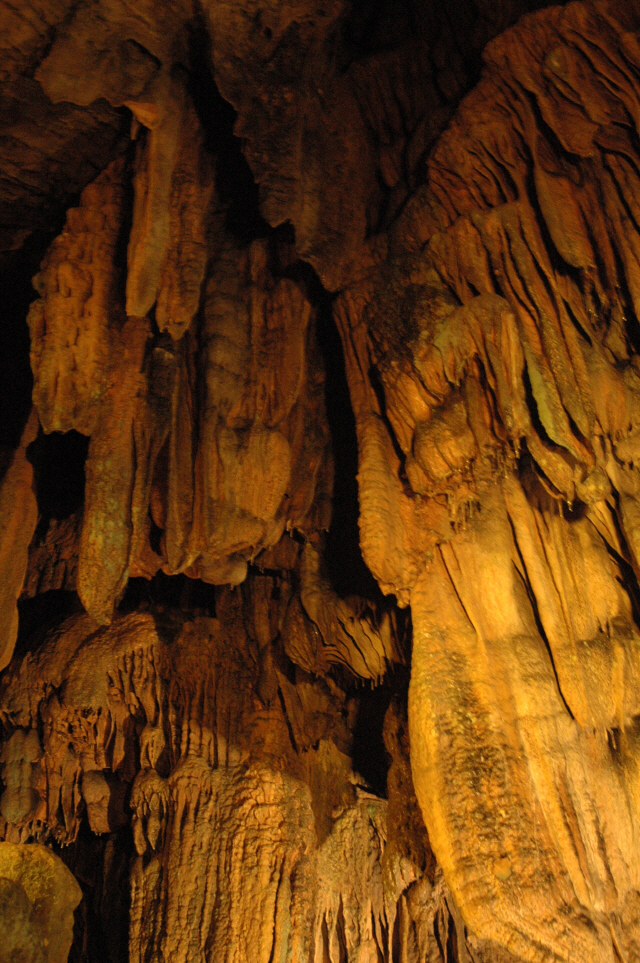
(38, 895)
(320, 547)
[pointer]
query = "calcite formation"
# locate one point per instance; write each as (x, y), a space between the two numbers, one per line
(38, 895)
(18, 519)
(335, 244)
(506, 354)
(253, 834)
(201, 439)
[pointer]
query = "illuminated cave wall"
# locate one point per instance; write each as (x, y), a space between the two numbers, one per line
(319, 499)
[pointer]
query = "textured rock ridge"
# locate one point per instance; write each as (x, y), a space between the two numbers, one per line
(199, 438)
(502, 471)
(252, 832)
(18, 519)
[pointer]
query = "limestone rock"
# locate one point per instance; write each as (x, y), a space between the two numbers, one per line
(221, 435)
(18, 517)
(38, 897)
(48, 154)
(73, 322)
(249, 838)
(500, 346)
(206, 736)
(21, 938)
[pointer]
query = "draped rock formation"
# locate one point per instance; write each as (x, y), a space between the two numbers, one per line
(320, 616)
(503, 329)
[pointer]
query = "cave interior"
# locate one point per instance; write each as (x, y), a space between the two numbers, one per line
(319, 493)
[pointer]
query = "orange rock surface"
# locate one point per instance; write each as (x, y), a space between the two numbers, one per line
(329, 652)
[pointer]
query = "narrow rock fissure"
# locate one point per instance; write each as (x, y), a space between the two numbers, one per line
(16, 380)
(58, 461)
(235, 185)
(345, 566)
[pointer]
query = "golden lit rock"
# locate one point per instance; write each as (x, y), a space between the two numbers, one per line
(38, 895)
(353, 314)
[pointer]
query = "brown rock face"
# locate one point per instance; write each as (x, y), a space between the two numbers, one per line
(348, 327)
(509, 376)
(18, 518)
(38, 897)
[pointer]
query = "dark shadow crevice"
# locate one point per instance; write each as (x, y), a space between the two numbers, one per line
(58, 461)
(236, 188)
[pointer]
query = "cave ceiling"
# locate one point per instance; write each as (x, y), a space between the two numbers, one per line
(319, 503)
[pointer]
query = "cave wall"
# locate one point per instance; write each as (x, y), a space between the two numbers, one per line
(259, 706)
